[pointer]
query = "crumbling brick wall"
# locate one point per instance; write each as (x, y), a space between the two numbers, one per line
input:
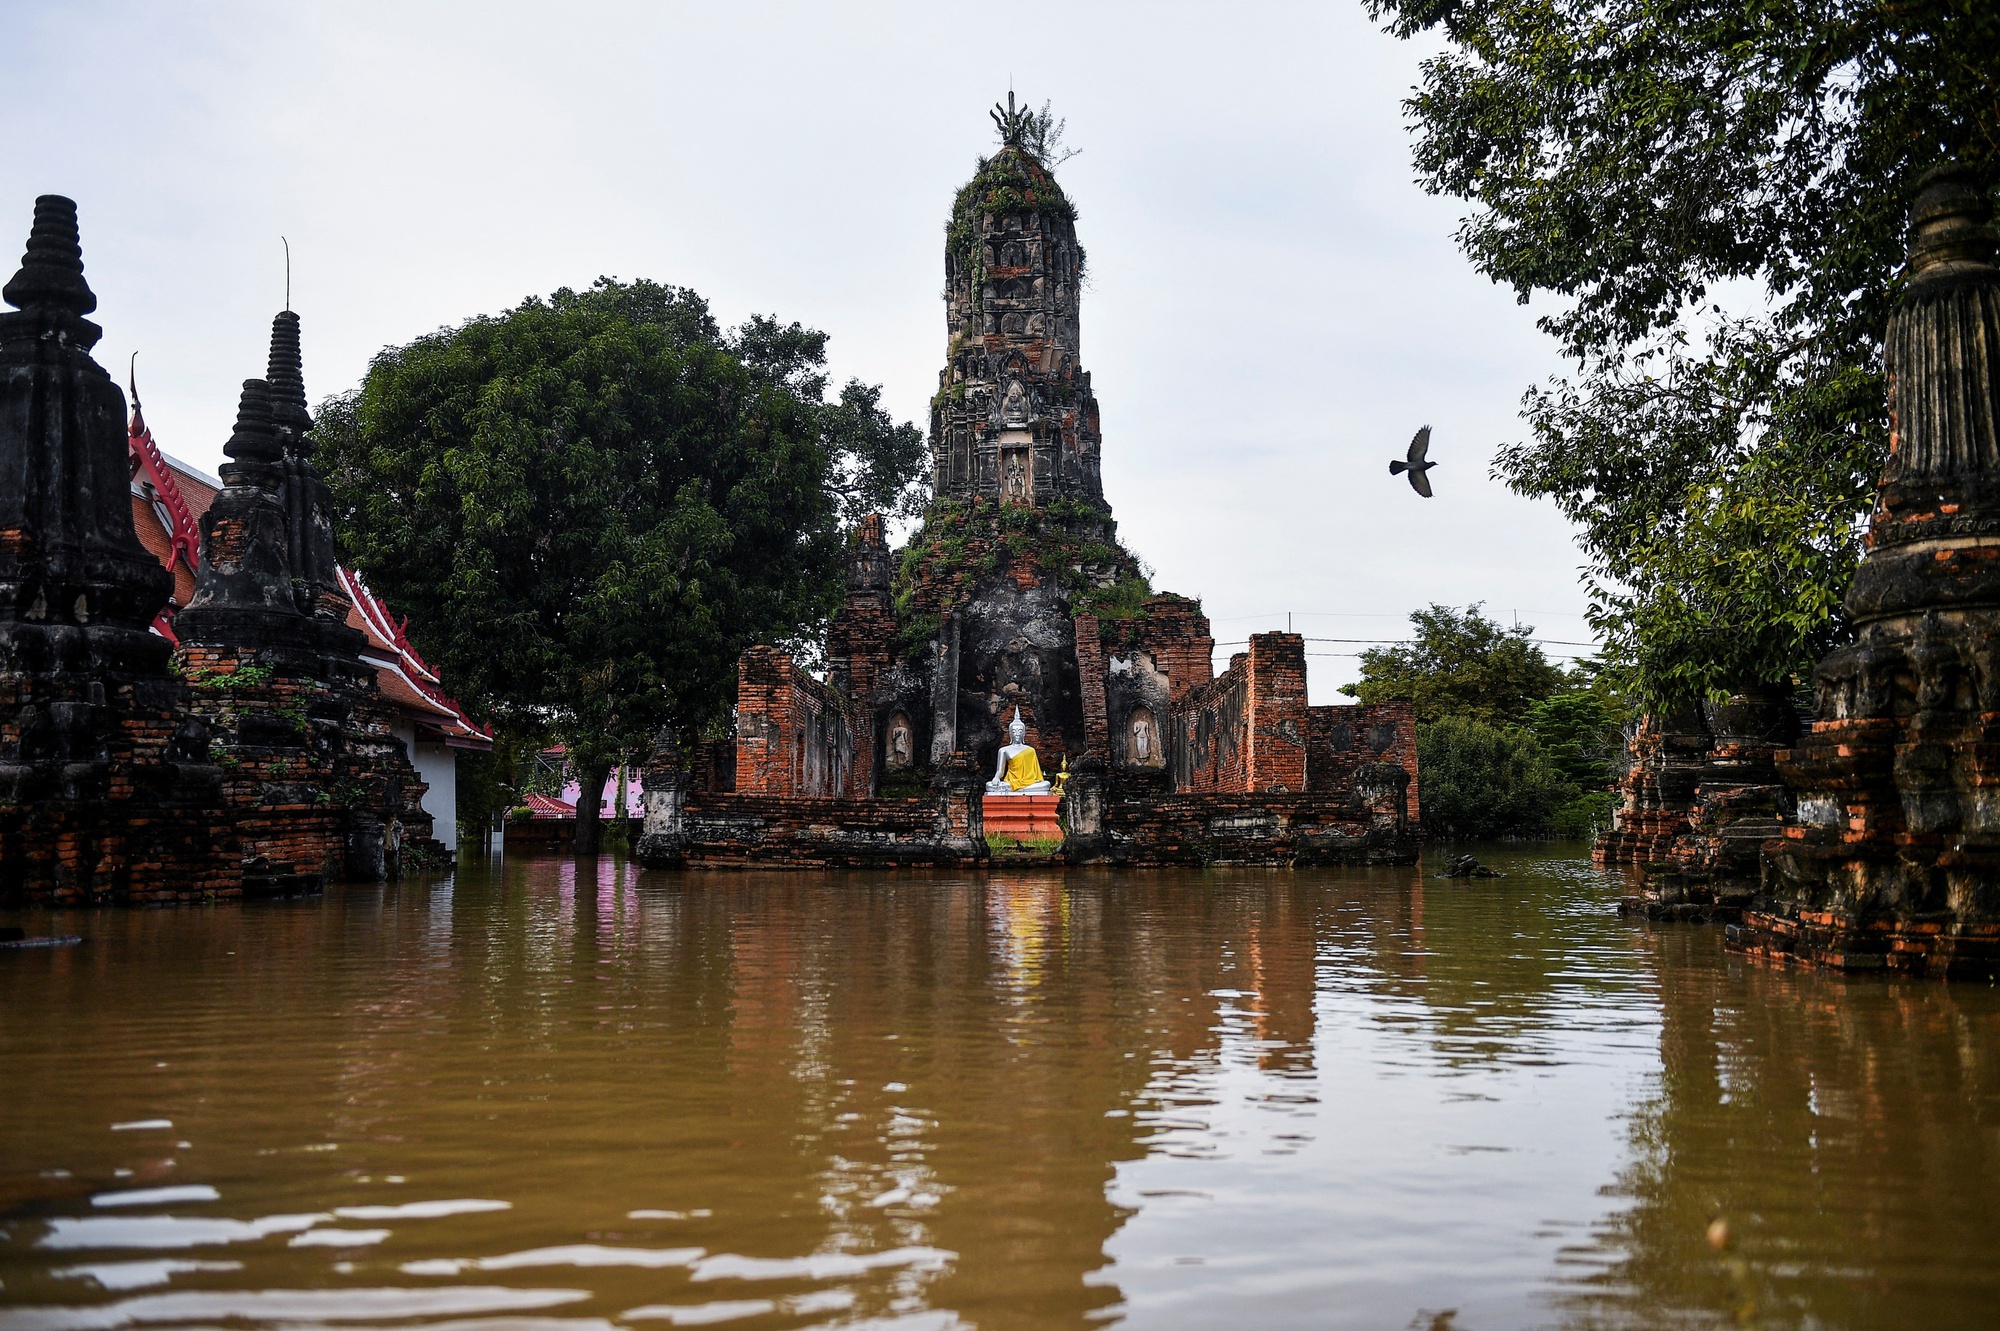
(1339, 740)
(1245, 731)
(1366, 824)
(1090, 675)
(1175, 633)
(793, 736)
(320, 786)
(797, 832)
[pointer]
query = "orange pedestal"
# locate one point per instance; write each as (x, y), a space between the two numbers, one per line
(1022, 817)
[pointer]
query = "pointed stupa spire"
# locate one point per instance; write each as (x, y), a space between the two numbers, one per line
(285, 374)
(256, 436)
(51, 275)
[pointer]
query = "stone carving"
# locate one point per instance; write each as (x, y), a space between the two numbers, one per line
(1142, 744)
(1895, 858)
(1016, 484)
(902, 743)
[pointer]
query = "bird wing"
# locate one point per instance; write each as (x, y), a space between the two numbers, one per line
(1420, 445)
(1420, 482)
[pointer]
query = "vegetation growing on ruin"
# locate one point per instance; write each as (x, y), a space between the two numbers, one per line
(1072, 544)
(1631, 158)
(1013, 180)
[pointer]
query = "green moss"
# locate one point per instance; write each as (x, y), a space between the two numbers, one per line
(1073, 545)
(243, 677)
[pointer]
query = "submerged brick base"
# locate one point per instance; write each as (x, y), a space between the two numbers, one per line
(1939, 949)
(768, 831)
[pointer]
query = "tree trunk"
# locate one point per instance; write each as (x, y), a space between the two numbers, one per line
(589, 799)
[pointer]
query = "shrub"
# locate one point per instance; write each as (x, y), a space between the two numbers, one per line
(1480, 780)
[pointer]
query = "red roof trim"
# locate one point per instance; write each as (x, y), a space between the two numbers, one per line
(184, 535)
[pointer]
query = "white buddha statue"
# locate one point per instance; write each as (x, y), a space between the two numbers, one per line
(1019, 771)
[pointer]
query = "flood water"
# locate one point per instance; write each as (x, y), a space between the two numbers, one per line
(538, 1096)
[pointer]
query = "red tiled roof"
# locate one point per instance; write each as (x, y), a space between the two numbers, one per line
(542, 806)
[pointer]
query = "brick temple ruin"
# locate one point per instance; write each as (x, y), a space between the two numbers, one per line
(255, 755)
(1871, 841)
(1015, 598)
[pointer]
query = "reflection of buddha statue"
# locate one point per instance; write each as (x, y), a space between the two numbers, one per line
(1019, 771)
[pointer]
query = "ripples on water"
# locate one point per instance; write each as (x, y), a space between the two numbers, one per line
(523, 1099)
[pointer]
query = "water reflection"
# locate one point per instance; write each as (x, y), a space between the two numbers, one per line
(570, 1095)
(1846, 1137)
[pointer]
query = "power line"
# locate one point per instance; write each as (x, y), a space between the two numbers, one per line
(1540, 642)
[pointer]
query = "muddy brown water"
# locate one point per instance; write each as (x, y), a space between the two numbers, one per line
(537, 1096)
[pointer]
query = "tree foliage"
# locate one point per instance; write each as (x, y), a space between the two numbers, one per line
(1637, 157)
(1483, 781)
(1579, 731)
(1508, 743)
(589, 505)
(1460, 664)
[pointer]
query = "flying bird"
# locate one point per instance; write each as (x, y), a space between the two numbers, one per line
(1415, 464)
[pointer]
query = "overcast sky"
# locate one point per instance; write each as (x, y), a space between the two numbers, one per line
(1274, 305)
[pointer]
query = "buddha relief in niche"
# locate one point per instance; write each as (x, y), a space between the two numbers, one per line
(901, 744)
(1142, 739)
(1014, 406)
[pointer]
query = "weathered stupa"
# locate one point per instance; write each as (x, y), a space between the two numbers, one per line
(1016, 599)
(1895, 861)
(319, 785)
(107, 791)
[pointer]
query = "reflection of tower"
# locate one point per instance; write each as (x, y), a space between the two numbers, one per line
(1813, 1117)
(1014, 418)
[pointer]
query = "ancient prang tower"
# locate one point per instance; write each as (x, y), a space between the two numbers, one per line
(1895, 858)
(107, 789)
(1014, 420)
(1015, 597)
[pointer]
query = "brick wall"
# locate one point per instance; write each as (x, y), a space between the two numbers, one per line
(795, 832)
(143, 823)
(1175, 633)
(1090, 667)
(1245, 730)
(1342, 739)
(318, 784)
(793, 737)
(1364, 825)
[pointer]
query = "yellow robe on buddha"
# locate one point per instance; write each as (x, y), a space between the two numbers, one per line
(1023, 769)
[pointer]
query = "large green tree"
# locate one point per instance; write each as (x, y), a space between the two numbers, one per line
(589, 505)
(1638, 160)
(1460, 664)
